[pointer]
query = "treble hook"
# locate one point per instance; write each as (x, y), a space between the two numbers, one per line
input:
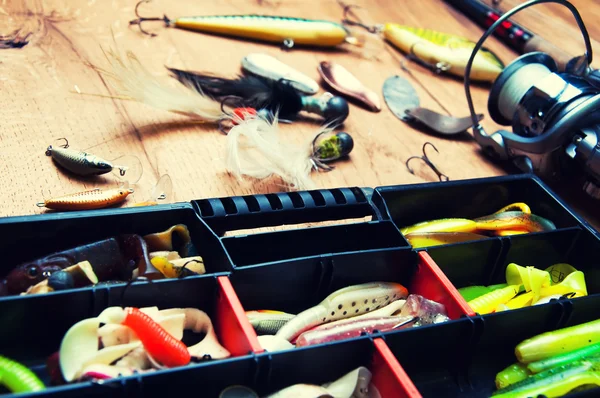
(348, 21)
(141, 19)
(424, 158)
(66, 145)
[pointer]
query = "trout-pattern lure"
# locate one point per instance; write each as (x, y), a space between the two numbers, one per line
(435, 50)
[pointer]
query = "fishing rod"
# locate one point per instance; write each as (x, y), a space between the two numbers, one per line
(515, 36)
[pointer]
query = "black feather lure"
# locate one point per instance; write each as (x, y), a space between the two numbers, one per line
(247, 91)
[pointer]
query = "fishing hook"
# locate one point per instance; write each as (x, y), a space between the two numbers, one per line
(141, 19)
(66, 145)
(351, 22)
(425, 158)
(183, 267)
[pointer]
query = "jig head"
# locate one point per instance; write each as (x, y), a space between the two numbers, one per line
(330, 149)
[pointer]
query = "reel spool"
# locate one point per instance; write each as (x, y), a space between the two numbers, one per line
(554, 115)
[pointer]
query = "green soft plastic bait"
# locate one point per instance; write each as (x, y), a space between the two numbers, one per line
(18, 378)
(472, 292)
(511, 375)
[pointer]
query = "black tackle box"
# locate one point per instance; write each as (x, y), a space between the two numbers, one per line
(293, 268)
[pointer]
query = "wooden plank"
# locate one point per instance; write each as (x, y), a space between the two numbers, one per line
(39, 103)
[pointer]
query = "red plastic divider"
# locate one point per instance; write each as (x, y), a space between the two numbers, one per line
(389, 377)
(232, 325)
(431, 282)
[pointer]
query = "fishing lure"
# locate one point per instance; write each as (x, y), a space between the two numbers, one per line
(515, 218)
(255, 150)
(344, 303)
(350, 328)
(555, 382)
(435, 50)
(286, 31)
(87, 200)
(161, 193)
(345, 83)
(85, 164)
(511, 375)
(256, 92)
(160, 345)
(18, 378)
(490, 301)
(558, 342)
(271, 68)
(268, 322)
(549, 363)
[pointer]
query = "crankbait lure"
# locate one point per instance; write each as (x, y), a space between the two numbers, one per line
(18, 378)
(86, 164)
(286, 31)
(435, 50)
(87, 200)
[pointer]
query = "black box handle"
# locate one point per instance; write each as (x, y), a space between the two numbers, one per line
(267, 210)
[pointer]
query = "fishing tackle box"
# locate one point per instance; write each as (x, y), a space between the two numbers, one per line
(294, 268)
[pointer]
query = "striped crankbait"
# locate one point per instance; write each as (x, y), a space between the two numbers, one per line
(287, 31)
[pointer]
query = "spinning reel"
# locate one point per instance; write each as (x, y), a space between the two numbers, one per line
(554, 115)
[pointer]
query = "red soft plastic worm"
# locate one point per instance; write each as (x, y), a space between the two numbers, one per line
(161, 346)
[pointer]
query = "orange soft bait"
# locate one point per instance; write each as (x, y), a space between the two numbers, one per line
(161, 346)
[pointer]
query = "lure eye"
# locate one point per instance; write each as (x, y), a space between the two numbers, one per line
(33, 271)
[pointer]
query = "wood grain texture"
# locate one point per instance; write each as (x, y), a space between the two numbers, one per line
(39, 102)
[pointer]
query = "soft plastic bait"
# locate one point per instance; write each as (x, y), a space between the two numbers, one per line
(472, 292)
(87, 200)
(159, 344)
(490, 301)
(511, 375)
(17, 378)
(555, 382)
(545, 364)
(558, 342)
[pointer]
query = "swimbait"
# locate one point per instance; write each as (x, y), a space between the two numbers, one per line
(549, 363)
(349, 328)
(286, 31)
(87, 200)
(344, 303)
(557, 342)
(555, 382)
(268, 322)
(490, 301)
(113, 258)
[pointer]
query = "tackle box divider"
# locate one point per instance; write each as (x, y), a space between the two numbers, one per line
(388, 375)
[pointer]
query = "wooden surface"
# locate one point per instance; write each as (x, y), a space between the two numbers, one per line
(39, 103)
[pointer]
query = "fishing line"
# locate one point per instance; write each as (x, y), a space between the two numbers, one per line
(517, 85)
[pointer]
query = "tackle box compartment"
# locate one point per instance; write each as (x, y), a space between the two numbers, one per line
(292, 269)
